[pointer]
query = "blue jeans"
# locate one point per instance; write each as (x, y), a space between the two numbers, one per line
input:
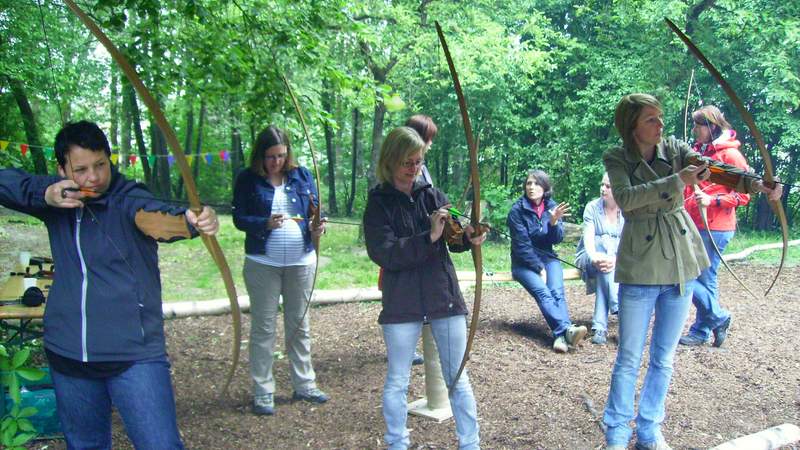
(636, 306)
(606, 298)
(549, 296)
(142, 395)
(710, 314)
(450, 334)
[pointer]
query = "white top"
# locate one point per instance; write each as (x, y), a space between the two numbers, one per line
(285, 245)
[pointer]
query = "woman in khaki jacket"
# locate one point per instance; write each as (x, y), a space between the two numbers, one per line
(660, 252)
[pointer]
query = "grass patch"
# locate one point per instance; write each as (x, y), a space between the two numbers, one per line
(188, 273)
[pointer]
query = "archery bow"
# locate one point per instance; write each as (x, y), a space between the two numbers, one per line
(776, 205)
(316, 211)
(701, 208)
(191, 189)
(477, 258)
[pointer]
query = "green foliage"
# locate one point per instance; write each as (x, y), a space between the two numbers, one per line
(15, 427)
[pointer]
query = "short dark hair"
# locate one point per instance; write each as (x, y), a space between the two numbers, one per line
(83, 134)
(267, 138)
(423, 125)
(543, 180)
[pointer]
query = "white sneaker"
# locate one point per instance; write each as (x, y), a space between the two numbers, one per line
(575, 334)
(560, 345)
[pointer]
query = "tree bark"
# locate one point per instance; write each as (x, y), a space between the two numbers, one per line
(136, 122)
(237, 156)
(327, 105)
(199, 146)
(356, 154)
(377, 140)
(113, 104)
(29, 123)
(187, 140)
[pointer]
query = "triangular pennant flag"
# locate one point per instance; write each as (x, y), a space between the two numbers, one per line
(49, 152)
(3, 145)
(170, 160)
(132, 159)
(114, 158)
(24, 148)
(151, 159)
(209, 159)
(190, 159)
(223, 155)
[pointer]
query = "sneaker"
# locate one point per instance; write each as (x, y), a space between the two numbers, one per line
(263, 405)
(692, 340)
(721, 333)
(600, 337)
(560, 345)
(312, 395)
(575, 334)
(418, 359)
(657, 445)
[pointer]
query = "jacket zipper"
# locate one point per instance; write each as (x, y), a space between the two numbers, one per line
(84, 285)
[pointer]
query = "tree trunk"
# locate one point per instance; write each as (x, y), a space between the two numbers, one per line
(29, 122)
(136, 121)
(125, 129)
(356, 154)
(199, 146)
(237, 156)
(327, 105)
(113, 131)
(377, 140)
(187, 141)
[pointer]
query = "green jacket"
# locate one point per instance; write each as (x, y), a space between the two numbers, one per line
(660, 245)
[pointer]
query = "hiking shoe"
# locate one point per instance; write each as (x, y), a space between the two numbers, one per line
(312, 395)
(721, 333)
(263, 405)
(600, 337)
(560, 345)
(692, 340)
(657, 445)
(575, 334)
(418, 359)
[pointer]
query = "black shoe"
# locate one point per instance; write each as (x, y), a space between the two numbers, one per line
(418, 359)
(721, 333)
(313, 395)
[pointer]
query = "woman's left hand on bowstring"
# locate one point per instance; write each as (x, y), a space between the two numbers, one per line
(773, 194)
(318, 229)
(206, 222)
(476, 239)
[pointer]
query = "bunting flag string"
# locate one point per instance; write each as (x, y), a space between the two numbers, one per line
(223, 156)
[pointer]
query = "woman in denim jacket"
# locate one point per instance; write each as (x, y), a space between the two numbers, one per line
(271, 202)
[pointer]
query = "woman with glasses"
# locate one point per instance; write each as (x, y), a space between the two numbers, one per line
(271, 204)
(659, 254)
(536, 225)
(597, 257)
(714, 139)
(404, 223)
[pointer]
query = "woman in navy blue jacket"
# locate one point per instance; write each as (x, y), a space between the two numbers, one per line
(535, 222)
(103, 326)
(271, 202)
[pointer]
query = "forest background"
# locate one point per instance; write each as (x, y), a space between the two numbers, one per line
(541, 77)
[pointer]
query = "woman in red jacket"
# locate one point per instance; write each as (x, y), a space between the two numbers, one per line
(715, 139)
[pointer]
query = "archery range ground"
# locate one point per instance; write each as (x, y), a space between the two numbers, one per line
(528, 396)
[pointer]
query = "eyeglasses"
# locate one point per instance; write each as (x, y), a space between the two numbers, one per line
(275, 157)
(409, 164)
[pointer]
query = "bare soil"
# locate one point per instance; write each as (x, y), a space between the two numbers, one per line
(528, 396)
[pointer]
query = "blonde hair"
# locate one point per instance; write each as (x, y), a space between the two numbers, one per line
(627, 113)
(399, 144)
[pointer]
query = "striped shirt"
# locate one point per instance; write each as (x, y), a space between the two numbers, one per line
(285, 245)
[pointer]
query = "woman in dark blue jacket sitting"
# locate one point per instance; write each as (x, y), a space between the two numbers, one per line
(271, 202)
(535, 224)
